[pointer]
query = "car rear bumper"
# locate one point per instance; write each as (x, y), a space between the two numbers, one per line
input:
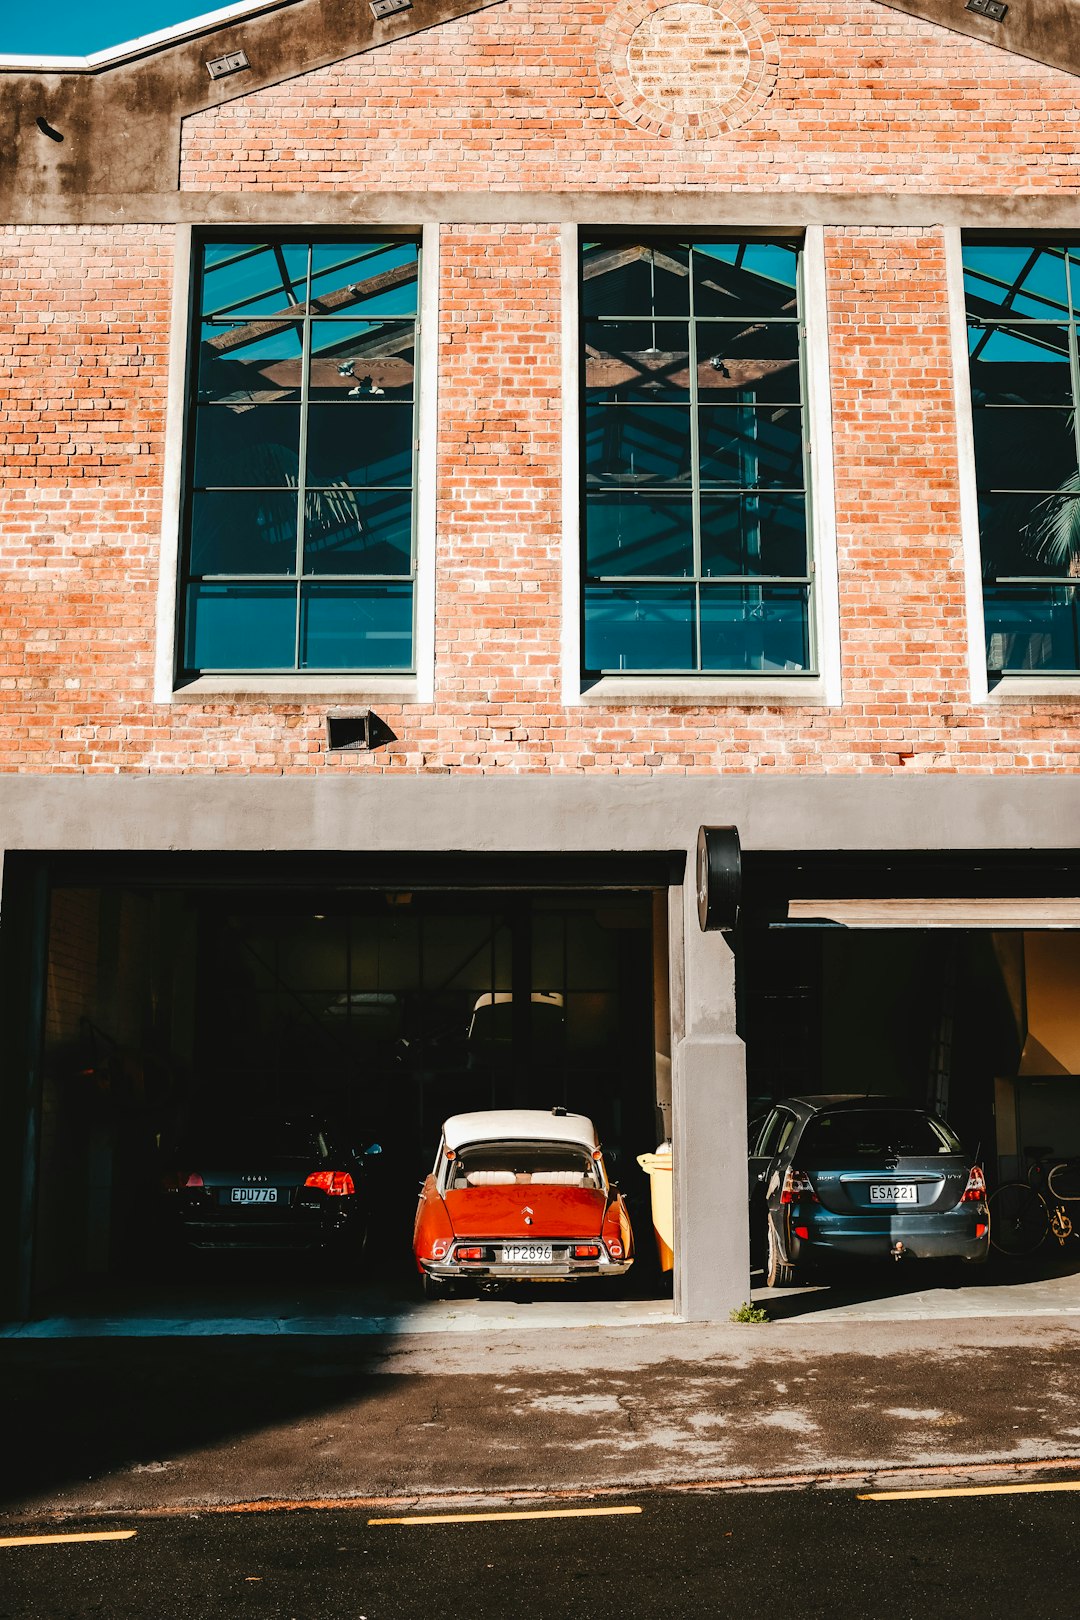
(558, 1269)
(485, 1272)
(309, 1233)
(950, 1235)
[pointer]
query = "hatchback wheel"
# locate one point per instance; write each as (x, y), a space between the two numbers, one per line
(779, 1273)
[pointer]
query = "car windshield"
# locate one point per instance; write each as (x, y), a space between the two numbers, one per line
(854, 1133)
(508, 1164)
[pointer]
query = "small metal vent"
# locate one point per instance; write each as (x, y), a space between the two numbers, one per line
(349, 731)
(386, 8)
(994, 9)
(219, 67)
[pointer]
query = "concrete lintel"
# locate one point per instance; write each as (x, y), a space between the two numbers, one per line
(767, 210)
(536, 813)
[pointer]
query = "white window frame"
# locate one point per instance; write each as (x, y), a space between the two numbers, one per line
(418, 687)
(814, 691)
(1009, 689)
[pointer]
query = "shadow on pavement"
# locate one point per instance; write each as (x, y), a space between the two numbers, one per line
(125, 1377)
(79, 1409)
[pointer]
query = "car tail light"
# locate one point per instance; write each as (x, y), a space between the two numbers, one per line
(796, 1186)
(802, 1232)
(975, 1191)
(589, 1251)
(980, 1229)
(615, 1248)
(338, 1183)
(174, 1182)
(468, 1254)
(438, 1249)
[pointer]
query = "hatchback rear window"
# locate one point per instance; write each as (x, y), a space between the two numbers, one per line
(508, 1164)
(872, 1132)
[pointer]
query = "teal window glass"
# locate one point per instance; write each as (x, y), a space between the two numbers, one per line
(696, 550)
(1023, 321)
(299, 512)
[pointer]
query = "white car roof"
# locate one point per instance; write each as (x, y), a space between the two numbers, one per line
(519, 1125)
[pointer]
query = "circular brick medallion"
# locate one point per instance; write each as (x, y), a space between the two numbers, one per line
(691, 68)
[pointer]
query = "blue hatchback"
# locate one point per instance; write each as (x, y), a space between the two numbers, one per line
(861, 1176)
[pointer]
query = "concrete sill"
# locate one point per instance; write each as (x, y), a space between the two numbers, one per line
(353, 689)
(704, 691)
(1036, 689)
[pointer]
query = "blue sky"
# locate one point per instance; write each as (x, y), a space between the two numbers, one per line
(73, 28)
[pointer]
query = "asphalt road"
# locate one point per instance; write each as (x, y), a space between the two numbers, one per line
(765, 1554)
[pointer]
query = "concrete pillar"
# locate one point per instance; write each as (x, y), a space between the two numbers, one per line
(661, 952)
(712, 1238)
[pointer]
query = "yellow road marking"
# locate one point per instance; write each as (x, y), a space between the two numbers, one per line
(490, 1518)
(85, 1535)
(972, 1490)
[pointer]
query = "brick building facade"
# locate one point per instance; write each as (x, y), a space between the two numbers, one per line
(888, 148)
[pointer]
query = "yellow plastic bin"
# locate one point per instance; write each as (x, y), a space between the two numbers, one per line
(657, 1166)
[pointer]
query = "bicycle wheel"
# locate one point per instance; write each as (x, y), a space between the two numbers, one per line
(1018, 1219)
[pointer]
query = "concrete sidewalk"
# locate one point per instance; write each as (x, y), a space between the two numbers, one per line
(109, 1424)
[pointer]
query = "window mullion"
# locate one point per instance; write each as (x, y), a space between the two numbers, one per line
(1072, 292)
(301, 471)
(695, 468)
(807, 467)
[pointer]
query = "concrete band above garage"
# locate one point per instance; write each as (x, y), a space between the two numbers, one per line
(538, 813)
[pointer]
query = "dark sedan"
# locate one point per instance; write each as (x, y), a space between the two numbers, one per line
(267, 1184)
(861, 1176)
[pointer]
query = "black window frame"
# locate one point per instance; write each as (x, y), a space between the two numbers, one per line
(308, 316)
(1061, 589)
(752, 584)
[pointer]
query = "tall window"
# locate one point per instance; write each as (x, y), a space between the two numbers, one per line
(299, 518)
(1023, 308)
(696, 535)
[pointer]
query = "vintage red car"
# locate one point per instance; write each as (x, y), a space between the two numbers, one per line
(519, 1194)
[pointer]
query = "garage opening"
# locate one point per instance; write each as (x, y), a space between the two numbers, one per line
(177, 1010)
(953, 984)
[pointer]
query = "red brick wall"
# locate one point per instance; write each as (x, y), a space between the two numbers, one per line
(84, 329)
(84, 320)
(511, 98)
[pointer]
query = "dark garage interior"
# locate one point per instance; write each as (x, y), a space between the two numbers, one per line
(381, 1011)
(177, 991)
(978, 1023)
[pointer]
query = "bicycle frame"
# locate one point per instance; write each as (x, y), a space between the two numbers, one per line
(1025, 1212)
